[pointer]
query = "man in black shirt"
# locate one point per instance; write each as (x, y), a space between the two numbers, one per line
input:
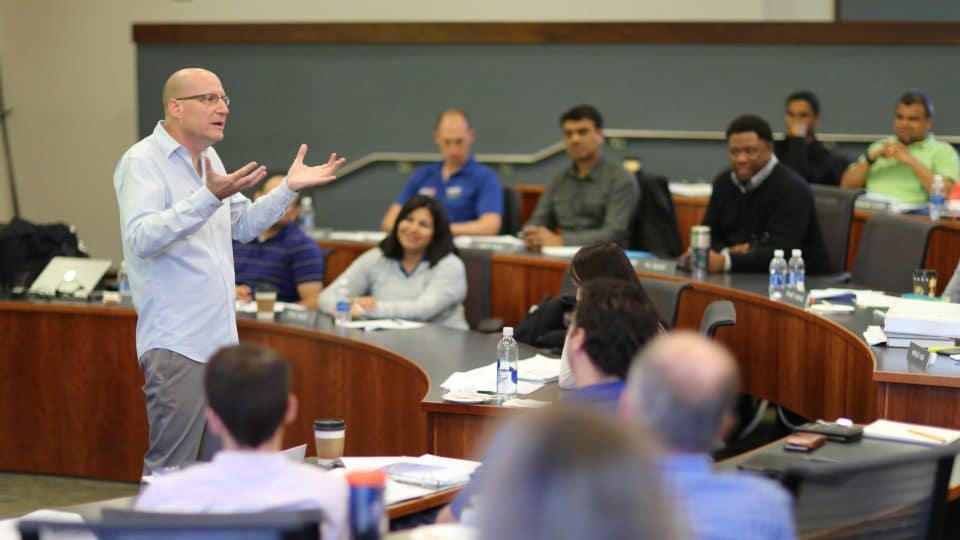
(800, 150)
(759, 205)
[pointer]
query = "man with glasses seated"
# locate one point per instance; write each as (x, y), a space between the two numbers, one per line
(759, 205)
(179, 210)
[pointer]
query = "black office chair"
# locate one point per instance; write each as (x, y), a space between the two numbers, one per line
(665, 295)
(653, 227)
(891, 248)
(129, 525)
(901, 496)
(510, 223)
(718, 313)
(834, 209)
(476, 305)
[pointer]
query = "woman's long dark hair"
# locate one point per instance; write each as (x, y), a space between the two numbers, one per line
(604, 259)
(442, 242)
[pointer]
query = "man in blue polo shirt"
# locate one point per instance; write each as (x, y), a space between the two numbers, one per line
(283, 257)
(469, 191)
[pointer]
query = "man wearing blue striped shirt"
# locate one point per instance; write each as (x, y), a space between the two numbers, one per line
(179, 210)
(283, 257)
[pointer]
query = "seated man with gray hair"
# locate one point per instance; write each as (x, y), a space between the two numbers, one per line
(682, 389)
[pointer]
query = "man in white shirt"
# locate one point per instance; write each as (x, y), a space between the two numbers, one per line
(179, 210)
(249, 403)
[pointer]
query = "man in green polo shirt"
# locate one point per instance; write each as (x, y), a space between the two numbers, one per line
(904, 166)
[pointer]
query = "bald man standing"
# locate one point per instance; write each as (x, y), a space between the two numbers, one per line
(179, 210)
(470, 192)
(682, 389)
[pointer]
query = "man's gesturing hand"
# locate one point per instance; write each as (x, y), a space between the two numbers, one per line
(301, 176)
(225, 185)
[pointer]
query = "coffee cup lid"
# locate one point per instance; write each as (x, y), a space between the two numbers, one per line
(367, 478)
(329, 424)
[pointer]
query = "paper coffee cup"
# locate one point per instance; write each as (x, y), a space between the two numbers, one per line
(329, 435)
(265, 302)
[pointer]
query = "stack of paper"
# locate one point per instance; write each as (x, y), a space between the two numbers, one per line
(539, 368)
(358, 236)
(910, 433)
(560, 251)
(929, 324)
(382, 324)
(451, 471)
(691, 189)
(503, 241)
(532, 373)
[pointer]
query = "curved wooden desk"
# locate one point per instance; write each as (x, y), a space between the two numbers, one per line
(72, 404)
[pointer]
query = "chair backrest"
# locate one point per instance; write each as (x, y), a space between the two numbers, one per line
(901, 496)
(890, 249)
(476, 305)
(834, 208)
(126, 525)
(654, 226)
(718, 313)
(510, 223)
(665, 295)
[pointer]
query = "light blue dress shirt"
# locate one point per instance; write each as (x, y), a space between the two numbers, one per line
(725, 505)
(177, 245)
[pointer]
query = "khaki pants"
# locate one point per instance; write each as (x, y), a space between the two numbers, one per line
(173, 389)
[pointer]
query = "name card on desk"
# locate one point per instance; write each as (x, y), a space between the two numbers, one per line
(298, 317)
(659, 266)
(795, 298)
(919, 359)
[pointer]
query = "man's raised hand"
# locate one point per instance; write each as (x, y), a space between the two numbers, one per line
(301, 176)
(225, 185)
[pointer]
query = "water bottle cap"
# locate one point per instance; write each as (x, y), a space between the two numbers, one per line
(508, 331)
(796, 253)
(306, 201)
(778, 253)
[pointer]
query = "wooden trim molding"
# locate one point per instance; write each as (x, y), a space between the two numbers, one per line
(530, 33)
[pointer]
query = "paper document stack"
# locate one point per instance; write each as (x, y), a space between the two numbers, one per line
(532, 372)
(928, 324)
(910, 433)
(412, 477)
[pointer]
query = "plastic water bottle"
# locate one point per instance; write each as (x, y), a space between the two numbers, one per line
(937, 200)
(342, 309)
(507, 361)
(306, 214)
(123, 284)
(797, 272)
(778, 275)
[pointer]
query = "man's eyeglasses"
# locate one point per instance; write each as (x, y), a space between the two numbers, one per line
(207, 99)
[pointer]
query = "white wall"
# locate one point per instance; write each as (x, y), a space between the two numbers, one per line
(69, 74)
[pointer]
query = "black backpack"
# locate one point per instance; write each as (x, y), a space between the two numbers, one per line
(26, 248)
(546, 325)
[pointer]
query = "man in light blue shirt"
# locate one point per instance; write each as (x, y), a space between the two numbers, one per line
(681, 389)
(179, 211)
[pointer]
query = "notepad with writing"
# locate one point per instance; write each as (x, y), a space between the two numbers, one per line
(910, 433)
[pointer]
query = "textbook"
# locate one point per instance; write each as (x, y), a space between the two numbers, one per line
(920, 317)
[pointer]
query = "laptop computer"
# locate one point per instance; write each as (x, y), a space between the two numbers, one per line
(69, 276)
